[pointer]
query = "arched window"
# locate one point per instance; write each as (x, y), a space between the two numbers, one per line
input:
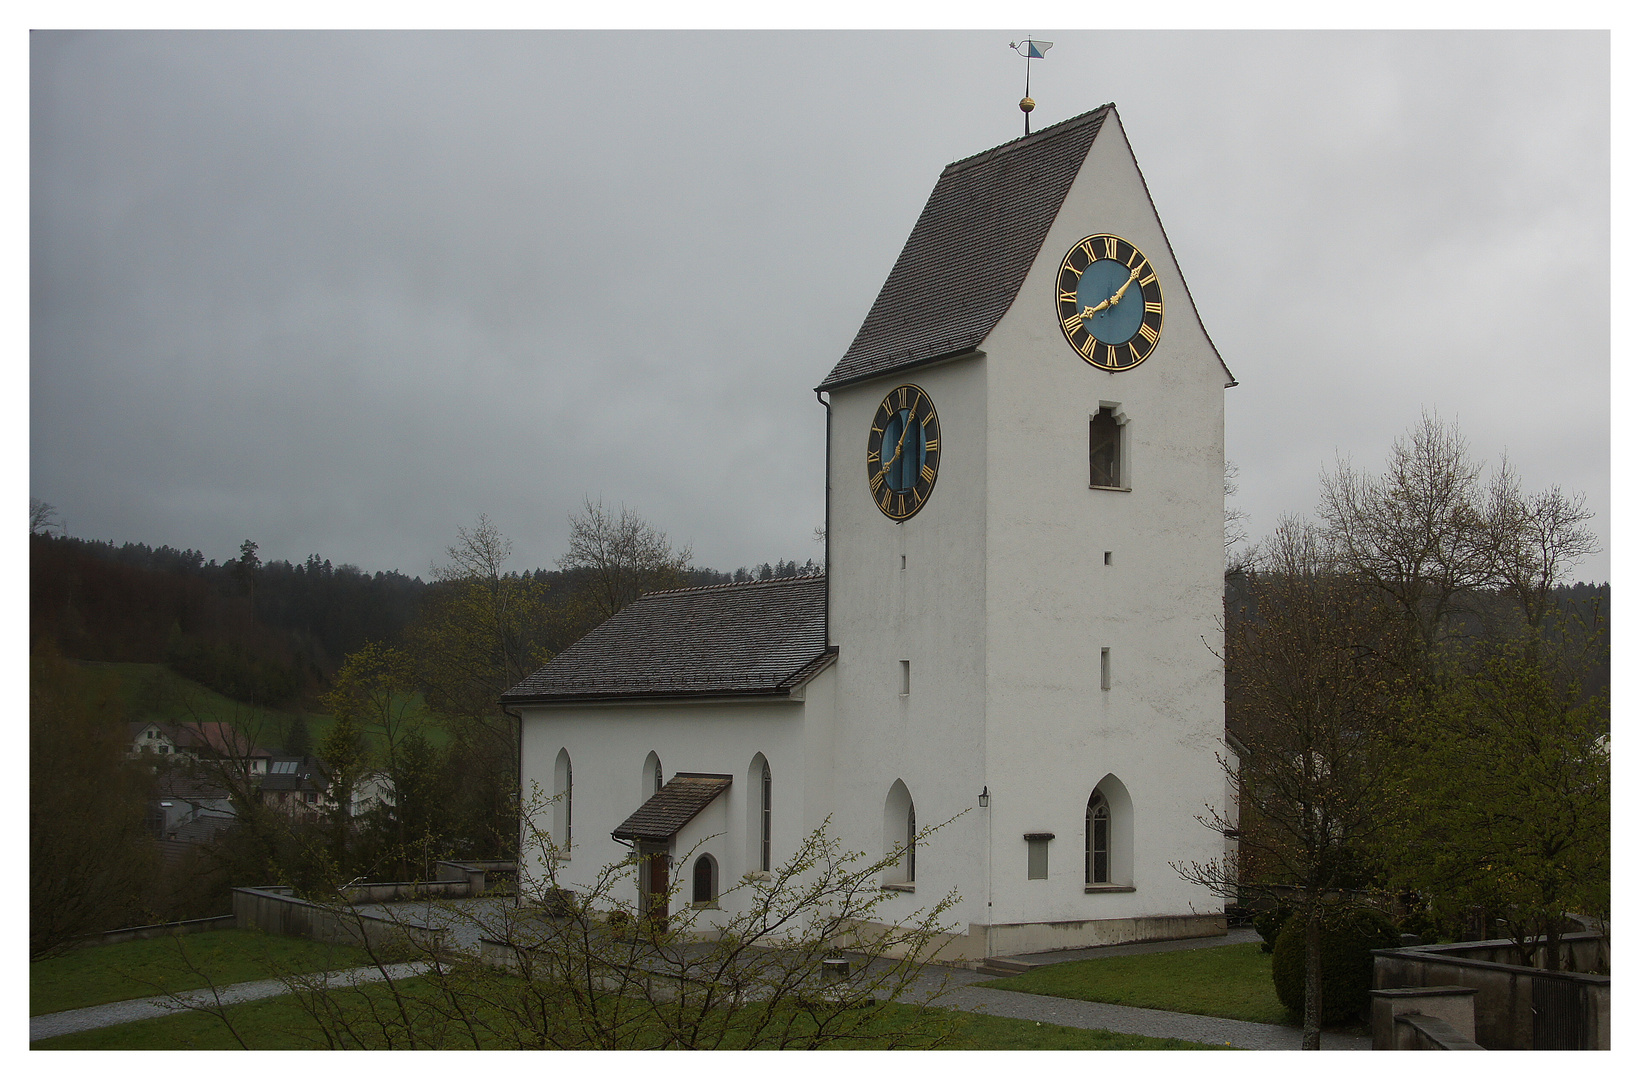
(1098, 840)
(1108, 836)
(760, 815)
(900, 833)
(766, 790)
(653, 779)
(704, 880)
(564, 794)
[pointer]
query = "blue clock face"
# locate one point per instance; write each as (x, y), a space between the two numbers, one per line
(1109, 302)
(1116, 324)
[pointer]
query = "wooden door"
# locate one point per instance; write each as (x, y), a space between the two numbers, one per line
(658, 892)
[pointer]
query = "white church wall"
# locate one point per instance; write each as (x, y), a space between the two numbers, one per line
(610, 748)
(913, 591)
(1053, 604)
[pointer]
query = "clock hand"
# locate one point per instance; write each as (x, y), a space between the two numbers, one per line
(1113, 300)
(1117, 299)
(903, 433)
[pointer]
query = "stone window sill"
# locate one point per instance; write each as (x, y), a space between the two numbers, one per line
(1107, 888)
(900, 886)
(1106, 487)
(704, 905)
(759, 875)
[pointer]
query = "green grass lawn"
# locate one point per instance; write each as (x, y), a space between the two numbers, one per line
(155, 692)
(1232, 981)
(282, 1024)
(135, 969)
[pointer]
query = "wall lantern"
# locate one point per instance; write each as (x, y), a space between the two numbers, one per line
(985, 796)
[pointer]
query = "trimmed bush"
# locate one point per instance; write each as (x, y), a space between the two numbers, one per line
(1346, 964)
(1268, 923)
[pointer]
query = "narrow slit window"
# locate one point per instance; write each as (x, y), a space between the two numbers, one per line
(905, 678)
(1104, 669)
(1104, 449)
(768, 806)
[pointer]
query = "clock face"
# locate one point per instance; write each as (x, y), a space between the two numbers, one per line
(1109, 302)
(903, 452)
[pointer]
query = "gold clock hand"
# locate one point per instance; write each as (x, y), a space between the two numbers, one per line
(1117, 299)
(900, 447)
(1114, 299)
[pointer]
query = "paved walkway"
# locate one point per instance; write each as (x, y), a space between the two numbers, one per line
(124, 1012)
(956, 986)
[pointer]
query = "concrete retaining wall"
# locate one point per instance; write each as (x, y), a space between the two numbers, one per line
(1504, 991)
(158, 930)
(275, 910)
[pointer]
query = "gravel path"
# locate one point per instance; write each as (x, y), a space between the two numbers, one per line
(958, 993)
(123, 1012)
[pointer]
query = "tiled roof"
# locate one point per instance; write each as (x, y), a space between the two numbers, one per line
(969, 252)
(672, 807)
(757, 637)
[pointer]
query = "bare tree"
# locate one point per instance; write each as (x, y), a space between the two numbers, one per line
(1309, 697)
(43, 518)
(621, 556)
(1532, 540)
(582, 969)
(1415, 535)
(1235, 519)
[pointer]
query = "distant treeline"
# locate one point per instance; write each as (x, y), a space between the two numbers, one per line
(268, 633)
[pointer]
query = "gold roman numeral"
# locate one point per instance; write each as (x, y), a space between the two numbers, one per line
(1153, 307)
(933, 446)
(1086, 247)
(899, 505)
(1067, 297)
(1135, 260)
(873, 457)
(1147, 332)
(1149, 279)
(928, 473)
(884, 497)
(901, 392)
(1073, 324)
(1089, 348)
(876, 481)
(1110, 247)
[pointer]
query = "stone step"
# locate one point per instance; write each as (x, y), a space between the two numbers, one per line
(1001, 965)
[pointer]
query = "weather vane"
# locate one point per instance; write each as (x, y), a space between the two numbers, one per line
(1030, 50)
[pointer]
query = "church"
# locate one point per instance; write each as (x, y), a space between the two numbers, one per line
(1021, 614)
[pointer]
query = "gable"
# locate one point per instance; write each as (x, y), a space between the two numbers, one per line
(667, 811)
(969, 252)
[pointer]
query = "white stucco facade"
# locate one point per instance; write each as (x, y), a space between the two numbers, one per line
(1003, 595)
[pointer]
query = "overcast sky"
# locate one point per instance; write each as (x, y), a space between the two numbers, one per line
(340, 293)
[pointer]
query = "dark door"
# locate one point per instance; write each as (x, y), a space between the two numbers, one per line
(655, 905)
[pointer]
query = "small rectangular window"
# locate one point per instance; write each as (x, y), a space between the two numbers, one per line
(1104, 449)
(1036, 846)
(905, 678)
(1107, 558)
(1104, 669)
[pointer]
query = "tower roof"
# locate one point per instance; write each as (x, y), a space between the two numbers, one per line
(747, 639)
(969, 252)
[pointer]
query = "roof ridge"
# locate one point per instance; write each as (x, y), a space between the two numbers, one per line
(789, 579)
(1034, 137)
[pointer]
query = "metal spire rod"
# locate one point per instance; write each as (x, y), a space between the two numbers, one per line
(1030, 50)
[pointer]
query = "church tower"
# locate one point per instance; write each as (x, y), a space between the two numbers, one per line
(1025, 522)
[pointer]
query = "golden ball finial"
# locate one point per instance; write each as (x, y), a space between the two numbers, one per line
(1026, 104)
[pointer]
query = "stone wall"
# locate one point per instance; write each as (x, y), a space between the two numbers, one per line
(275, 910)
(1513, 1003)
